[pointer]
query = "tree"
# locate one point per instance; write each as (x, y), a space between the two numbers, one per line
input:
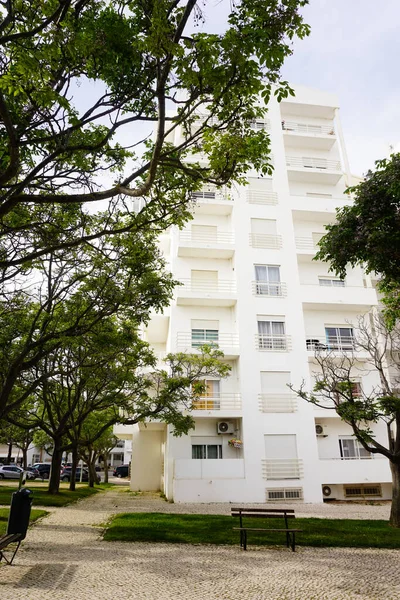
(335, 389)
(79, 76)
(367, 233)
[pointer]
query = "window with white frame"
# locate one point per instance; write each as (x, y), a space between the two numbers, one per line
(204, 332)
(268, 280)
(271, 334)
(206, 451)
(35, 458)
(209, 399)
(339, 338)
(350, 449)
(331, 282)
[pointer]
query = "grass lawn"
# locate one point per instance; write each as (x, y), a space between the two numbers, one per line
(42, 498)
(217, 529)
(35, 514)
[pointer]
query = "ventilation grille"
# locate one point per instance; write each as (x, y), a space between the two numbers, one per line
(287, 494)
(363, 491)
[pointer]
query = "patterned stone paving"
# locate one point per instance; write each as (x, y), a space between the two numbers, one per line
(64, 558)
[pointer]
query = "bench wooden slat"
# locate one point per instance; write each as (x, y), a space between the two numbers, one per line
(271, 510)
(262, 516)
(7, 539)
(262, 529)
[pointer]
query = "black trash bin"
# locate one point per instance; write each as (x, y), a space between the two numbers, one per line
(20, 511)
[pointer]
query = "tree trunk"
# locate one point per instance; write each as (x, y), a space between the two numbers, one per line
(75, 458)
(25, 457)
(56, 460)
(105, 465)
(9, 455)
(91, 468)
(395, 510)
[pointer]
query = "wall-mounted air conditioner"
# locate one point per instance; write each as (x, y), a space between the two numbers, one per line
(225, 427)
(320, 430)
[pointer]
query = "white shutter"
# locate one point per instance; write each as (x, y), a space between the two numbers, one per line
(203, 324)
(275, 381)
(204, 276)
(263, 226)
(280, 446)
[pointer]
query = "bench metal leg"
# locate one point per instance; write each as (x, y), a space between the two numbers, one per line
(2, 555)
(245, 540)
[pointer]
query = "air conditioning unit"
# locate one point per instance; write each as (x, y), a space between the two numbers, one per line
(225, 427)
(320, 430)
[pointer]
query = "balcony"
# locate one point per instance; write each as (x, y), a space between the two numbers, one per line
(277, 403)
(206, 293)
(338, 470)
(226, 468)
(222, 403)
(269, 290)
(345, 343)
(261, 197)
(212, 201)
(228, 343)
(282, 468)
(305, 246)
(316, 170)
(264, 240)
(218, 244)
(301, 135)
(273, 342)
(357, 297)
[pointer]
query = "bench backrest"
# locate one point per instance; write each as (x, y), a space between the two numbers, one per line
(263, 513)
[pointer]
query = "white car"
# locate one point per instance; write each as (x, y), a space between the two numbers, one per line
(13, 472)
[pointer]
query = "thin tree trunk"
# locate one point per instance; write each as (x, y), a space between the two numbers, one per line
(9, 455)
(395, 510)
(56, 460)
(25, 457)
(91, 468)
(105, 465)
(75, 458)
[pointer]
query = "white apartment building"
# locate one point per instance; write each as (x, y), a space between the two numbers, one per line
(250, 285)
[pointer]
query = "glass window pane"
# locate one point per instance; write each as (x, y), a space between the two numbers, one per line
(273, 274)
(198, 451)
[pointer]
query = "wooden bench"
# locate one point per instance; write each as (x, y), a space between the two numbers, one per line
(5, 541)
(265, 513)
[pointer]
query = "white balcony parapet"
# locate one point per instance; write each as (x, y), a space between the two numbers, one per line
(282, 468)
(273, 343)
(264, 240)
(262, 197)
(330, 343)
(184, 340)
(260, 124)
(218, 238)
(307, 129)
(226, 468)
(211, 195)
(222, 286)
(265, 288)
(323, 164)
(305, 243)
(277, 403)
(219, 402)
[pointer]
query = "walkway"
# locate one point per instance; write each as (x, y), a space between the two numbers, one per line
(64, 558)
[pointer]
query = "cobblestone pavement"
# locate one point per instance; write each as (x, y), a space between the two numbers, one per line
(64, 557)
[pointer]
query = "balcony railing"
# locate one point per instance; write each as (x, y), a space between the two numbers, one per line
(273, 343)
(342, 343)
(282, 468)
(265, 288)
(185, 341)
(222, 286)
(291, 126)
(277, 403)
(210, 196)
(321, 164)
(262, 197)
(219, 402)
(196, 237)
(305, 243)
(264, 240)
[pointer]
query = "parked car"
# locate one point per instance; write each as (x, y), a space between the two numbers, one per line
(13, 472)
(34, 472)
(43, 468)
(66, 475)
(122, 471)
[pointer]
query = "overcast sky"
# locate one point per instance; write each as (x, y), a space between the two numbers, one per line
(354, 52)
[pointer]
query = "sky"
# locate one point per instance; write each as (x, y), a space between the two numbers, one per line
(353, 51)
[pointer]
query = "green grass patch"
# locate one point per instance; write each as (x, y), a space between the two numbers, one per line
(217, 529)
(35, 514)
(41, 497)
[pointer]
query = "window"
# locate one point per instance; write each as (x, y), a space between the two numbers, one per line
(35, 458)
(360, 491)
(331, 282)
(268, 280)
(206, 451)
(351, 449)
(355, 389)
(339, 338)
(204, 336)
(118, 456)
(271, 335)
(210, 398)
